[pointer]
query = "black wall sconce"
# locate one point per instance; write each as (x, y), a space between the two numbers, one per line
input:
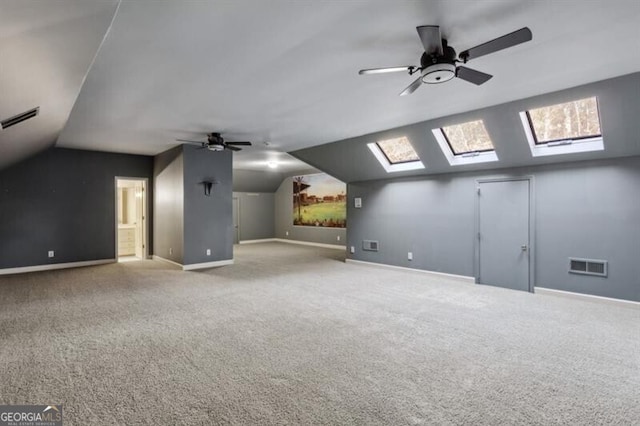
(208, 184)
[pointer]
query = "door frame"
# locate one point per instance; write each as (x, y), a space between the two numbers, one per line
(532, 221)
(236, 219)
(145, 225)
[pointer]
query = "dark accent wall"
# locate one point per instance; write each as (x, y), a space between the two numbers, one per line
(284, 221)
(64, 200)
(584, 209)
(208, 220)
(257, 215)
(168, 230)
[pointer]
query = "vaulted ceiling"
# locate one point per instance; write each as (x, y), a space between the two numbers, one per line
(132, 76)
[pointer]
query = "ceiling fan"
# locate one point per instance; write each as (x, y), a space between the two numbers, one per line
(215, 142)
(438, 63)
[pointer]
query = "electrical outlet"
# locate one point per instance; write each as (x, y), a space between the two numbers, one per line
(352, 249)
(338, 237)
(208, 252)
(409, 256)
(170, 250)
(286, 233)
(51, 253)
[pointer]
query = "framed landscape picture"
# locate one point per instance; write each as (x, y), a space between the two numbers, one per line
(319, 200)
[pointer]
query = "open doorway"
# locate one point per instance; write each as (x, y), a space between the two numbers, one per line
(131, 219)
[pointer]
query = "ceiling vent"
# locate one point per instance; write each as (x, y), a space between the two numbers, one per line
(19, 118)
(588, 267)
(369, 245)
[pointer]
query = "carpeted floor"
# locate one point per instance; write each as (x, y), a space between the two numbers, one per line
(292, 335)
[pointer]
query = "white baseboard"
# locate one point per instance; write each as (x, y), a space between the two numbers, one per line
(462, 278)
(195, 266)
(52, 266)
(206, 265)
(587, 297)
(162, 259)
(263, 240)
(309, 243)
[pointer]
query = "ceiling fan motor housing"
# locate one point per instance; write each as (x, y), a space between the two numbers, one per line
(438, 68)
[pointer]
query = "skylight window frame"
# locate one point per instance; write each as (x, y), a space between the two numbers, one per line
(391, 162)
(561, 146)
(389, 159)
(446, 138)
(560, 141)
(467, 157)
(399, 166)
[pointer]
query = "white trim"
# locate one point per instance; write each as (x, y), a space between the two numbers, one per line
(37, 268)
(205, 265)
(390, 168)
(588, 297)
(263, 240)
(145, 214)
(462, 278)
(308, 243)
(162, 259)
(194, 266)
(563, 147)
(461, 159)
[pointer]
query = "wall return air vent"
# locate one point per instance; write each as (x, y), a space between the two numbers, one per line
(19, 118)
(369, 245)
(588, 266)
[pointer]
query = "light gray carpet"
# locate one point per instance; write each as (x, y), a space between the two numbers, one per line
(292, 335)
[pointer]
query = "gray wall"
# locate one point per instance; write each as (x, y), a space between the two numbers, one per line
(256, 180)
(257, 215)
(168, 230)
(284, 221)
(63, 200)
(208, 222)
(583, 209)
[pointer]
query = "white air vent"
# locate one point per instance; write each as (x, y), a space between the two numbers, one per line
(369, 245)
(588, 266)
(19, 118)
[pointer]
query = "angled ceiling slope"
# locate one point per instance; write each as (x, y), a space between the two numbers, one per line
(351, 161)
(286, 72)
(46, 50)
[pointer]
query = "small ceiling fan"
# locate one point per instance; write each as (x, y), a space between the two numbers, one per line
(438, 63)
(215, 142)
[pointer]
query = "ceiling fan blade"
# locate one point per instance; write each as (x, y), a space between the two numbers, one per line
(412, 87)
(232, 148)
(385, 70)
(472, 76)
(520, 36)
(431, 39)
(239, 143)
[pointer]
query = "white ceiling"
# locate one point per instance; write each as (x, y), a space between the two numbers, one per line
(286, 72)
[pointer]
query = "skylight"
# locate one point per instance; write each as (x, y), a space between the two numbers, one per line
(573, 120)
(468, 137)
(465, 143)
(396, 155)
(398, 150)
(565, 128)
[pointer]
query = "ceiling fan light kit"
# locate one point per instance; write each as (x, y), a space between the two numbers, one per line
(439, 62)
(215, 142)
(438, 73)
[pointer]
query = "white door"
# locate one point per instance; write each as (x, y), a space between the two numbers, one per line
(503, 238)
